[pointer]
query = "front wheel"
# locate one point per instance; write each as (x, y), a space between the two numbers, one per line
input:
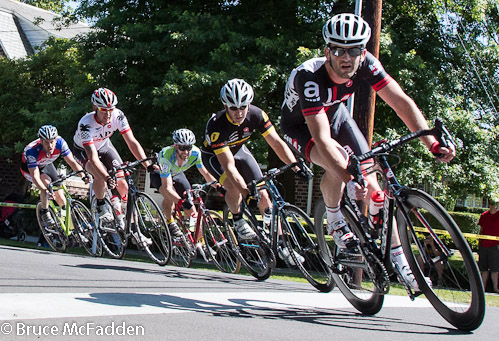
(152, 225)
(183, 249)
(54, 234)
(84, 228)
(216, 237)
(301, 240)
(456, 292)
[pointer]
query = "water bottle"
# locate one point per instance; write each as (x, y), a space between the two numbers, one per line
(116, 203)
(267, 216)
(376, 207)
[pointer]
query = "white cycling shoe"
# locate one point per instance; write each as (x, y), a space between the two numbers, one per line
(343, 237)
(244, 231)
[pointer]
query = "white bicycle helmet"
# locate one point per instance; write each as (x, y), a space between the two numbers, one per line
(236, 93)
(346, 30)
(184, 137)
(47, 132)
(104, 98)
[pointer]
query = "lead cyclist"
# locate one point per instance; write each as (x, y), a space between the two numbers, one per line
(316, 123)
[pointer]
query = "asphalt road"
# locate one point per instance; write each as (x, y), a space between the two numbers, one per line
(49, 296)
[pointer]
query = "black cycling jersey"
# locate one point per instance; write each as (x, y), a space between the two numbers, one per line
(222, 133)
(309, 88)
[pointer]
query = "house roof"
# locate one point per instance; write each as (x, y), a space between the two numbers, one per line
(23, 28)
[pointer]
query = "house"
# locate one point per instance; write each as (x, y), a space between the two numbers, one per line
(23, 28)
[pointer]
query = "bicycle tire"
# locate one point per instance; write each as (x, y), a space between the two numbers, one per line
(356, 285)
(218, 246)
(84, 228)
(54, 235)
(298, 232)
(183, 250)
(253, 254)
(459, 300)
(111, 236)
(152, 225)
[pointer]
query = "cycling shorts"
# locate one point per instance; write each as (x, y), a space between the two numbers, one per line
(245, 163)
(488, 258)
(108, 155)
(48, 170)
(180, 182)
(343, 129)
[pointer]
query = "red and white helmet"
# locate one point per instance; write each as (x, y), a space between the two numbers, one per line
(346, 30)
(236, 93)
(104, 98)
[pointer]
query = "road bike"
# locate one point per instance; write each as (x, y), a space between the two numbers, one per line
(208, 237)
(144, 222)
(297, 231)
(74, 222)
(363, 276)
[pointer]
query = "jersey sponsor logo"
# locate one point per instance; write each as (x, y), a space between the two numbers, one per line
(214, 136)
(217, 145)
(375, 68)
(293, 142)
(349, 83)
(311, 91)
(233, 137)
(85, 131)
(246, 129)
(348, 149)
(31, 159)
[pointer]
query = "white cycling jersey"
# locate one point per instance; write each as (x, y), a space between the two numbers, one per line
(91, 131)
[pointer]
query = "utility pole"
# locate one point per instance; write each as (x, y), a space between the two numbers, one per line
(366, 97)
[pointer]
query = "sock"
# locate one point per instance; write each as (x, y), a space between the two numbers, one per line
(398, 257)
(237, 216)
(333, 214)
(100, 202)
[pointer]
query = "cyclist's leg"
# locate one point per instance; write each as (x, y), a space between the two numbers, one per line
(48, 174)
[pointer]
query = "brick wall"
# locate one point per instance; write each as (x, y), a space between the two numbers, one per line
(301, 190)
(11, 179)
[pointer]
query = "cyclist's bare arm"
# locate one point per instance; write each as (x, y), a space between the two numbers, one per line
(410, 114)
(75, 166)
(206, 175)
(280, 147)
(135, 147)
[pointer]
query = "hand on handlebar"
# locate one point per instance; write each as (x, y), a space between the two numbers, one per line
(443, 154)
(355, 191)
(111, 183)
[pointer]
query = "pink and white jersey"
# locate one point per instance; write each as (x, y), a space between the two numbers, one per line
(90, 131)
(35, 156)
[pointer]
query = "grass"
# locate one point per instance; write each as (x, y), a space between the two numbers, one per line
(492, 300)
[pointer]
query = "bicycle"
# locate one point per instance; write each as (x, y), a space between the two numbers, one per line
(208, 238)
(75, 222)
(296, 229)
(363, 277)
(144, 222)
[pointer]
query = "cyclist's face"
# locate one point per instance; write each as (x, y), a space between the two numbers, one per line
(104, 115)
(183, 152)
(237, 115)
(49, 145)
(344, 66)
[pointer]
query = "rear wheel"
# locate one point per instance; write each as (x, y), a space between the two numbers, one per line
(54, 234)
(457, 292)
(152, 224)
(111, 236)
(218, 246)
(84, 228)
(254, 255)
(299, 236)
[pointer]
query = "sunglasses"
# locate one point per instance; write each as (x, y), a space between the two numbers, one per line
(340, 51)
(242, 107)
(105, 109)
(184, 148)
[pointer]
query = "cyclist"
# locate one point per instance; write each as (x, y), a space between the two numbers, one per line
(37, 166)
(171, 181)
(226, 156)
(317, 124)
(94, 150)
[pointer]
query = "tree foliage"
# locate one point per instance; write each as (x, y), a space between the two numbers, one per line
(167, 60)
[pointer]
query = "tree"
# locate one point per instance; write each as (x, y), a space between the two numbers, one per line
(57, 6)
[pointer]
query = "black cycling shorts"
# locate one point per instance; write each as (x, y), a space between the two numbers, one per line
(108, 155)
(47, 170)
(488, 259)
(245, 163)
(180, 182)
(343, 129)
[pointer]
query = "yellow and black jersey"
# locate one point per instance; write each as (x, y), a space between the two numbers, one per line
(222, 133)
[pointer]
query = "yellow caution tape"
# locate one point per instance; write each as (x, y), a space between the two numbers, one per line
(472, 235)
(11, 204)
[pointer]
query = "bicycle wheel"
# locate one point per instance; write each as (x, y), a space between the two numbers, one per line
(111, 236)
(183, 249)
(84, 228)
(218, 246)
(457, 292)
(298, 235)
(355, 276)
(254, 255)
(54, 234)
(152, 225)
